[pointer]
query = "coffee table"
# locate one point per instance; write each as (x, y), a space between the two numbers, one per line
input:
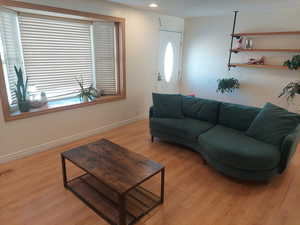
(111, 184)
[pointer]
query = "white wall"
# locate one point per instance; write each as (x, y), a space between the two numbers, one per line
(22, 137)
(206, 49)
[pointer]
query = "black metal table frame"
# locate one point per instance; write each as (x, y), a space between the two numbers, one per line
(122, 197)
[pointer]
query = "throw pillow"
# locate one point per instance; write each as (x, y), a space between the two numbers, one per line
(167, 105)
(272, 124)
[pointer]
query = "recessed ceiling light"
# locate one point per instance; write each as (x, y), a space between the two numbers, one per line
(153, 5)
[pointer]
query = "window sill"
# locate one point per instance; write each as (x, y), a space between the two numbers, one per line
(60, 105)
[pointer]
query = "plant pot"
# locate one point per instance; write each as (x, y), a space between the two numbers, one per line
(85, 98)
(24, 106)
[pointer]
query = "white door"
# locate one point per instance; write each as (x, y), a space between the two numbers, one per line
(168, 76)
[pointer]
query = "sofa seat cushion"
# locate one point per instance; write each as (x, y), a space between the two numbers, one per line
(185, 128)
(233, 148)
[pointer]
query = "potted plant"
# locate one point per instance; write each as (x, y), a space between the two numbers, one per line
(294, 63)
(21, 91)
(228, 85)
(87, 94)
(290, 90)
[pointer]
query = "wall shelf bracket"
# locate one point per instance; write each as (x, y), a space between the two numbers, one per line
(232, 37)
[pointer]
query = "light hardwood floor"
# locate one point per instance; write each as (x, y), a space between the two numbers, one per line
(31, 190)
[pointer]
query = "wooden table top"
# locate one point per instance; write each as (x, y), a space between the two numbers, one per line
(115, 166)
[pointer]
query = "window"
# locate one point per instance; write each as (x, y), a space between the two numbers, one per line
(10, 48)
(56, 52)
(105, 57)
(169, 62)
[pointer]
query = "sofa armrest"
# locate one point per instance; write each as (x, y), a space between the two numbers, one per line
(151, 112)
(288, 148)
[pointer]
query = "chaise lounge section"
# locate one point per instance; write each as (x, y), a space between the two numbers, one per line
(230, 137)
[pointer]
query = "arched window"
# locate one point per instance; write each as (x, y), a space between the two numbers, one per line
(169, 62)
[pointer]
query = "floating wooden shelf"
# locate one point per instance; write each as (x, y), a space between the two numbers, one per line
(266, 50)
(267, 33)
(259, 66)
(239, 35)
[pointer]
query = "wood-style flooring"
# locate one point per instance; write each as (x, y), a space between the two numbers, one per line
(32, 193)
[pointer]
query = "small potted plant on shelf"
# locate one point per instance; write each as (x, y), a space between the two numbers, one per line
(21, 91)
(87, 94)
(294, 63)
(228, 85)
(290, 91)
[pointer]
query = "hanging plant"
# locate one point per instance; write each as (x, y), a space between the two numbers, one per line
(228, 85)
(294, 63)
(290, 91)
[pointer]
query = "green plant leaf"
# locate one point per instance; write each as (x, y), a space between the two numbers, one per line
(294, 63)
(290, 91)
(227, 85)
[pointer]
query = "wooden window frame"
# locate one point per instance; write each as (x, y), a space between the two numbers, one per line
(121, 62)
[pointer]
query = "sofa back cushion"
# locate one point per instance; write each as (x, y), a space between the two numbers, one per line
(237, 116)
(167, 105)
(198, 108)
(272, 124)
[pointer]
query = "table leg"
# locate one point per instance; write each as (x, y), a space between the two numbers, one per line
(64, 172)
(122, 210)
(162, 186)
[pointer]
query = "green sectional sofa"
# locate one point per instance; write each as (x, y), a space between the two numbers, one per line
(240, 141)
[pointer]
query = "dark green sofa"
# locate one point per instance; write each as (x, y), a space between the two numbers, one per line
(217, 130)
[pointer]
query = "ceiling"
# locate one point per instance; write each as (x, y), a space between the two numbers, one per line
(195, 8)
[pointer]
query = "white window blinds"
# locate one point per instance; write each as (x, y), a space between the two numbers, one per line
(105, 57)
(11, 53)
(57, 52)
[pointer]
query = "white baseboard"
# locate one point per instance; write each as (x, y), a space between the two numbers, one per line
(65, 140)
